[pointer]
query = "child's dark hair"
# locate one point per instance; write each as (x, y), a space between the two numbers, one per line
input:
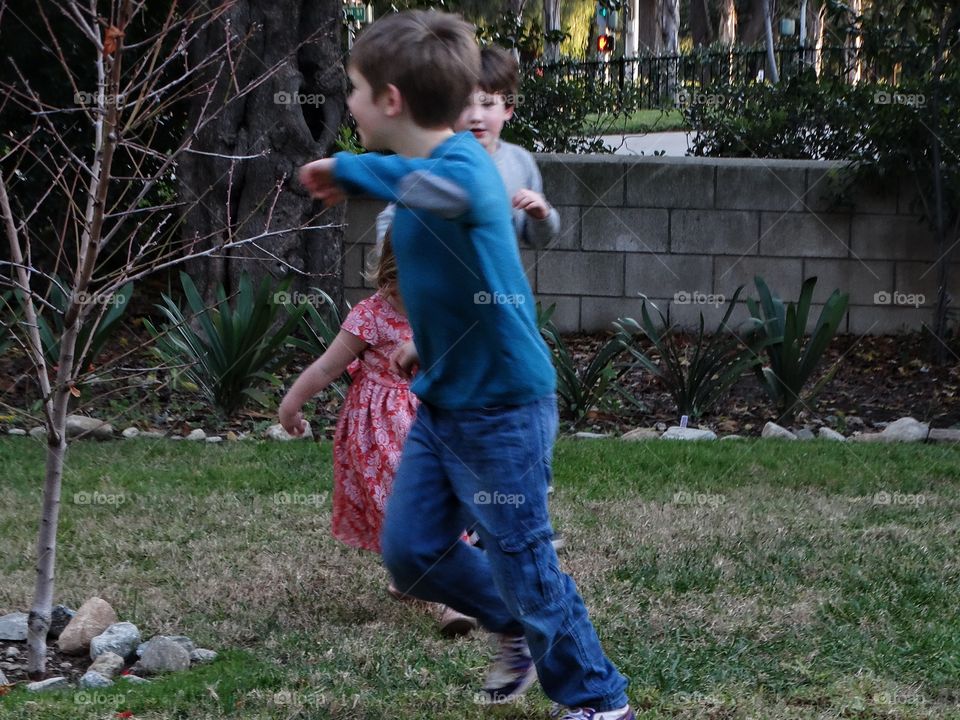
(499, 74)
(382, 266)
(431, 57)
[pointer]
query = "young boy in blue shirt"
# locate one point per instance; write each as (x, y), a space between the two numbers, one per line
(479, 452)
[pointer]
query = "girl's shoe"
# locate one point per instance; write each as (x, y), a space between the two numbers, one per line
(454, 624)
(624, 713)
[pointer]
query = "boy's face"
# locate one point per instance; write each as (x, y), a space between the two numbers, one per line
(484, 116)
(372, 115)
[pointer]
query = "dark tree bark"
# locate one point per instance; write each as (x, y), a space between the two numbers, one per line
(701, 25)
(752, 28)
(290, 118)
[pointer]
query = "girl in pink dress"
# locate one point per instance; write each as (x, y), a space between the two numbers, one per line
(376, 416)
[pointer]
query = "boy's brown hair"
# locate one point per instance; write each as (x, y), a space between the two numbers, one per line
(431, 57)
(499, 74)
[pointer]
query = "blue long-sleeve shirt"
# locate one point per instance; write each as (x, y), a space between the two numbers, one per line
(468, 301)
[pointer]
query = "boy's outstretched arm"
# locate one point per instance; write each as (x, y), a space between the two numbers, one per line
(344, 349)
(317, 178)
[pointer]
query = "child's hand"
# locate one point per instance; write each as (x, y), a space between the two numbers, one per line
(292, 419)
(317, 178)
(532, 203)
(405, 360)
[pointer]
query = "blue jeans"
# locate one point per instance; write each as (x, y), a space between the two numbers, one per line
(489, 469)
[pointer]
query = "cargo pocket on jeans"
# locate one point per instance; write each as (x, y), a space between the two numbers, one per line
(531, 568)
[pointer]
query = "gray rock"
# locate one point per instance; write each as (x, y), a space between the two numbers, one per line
(13, 626)
(93, 679)
(866, 437)
(678, 433)
(11, 653)
(732, 437)
(38, 432)
(660, 426)
(905, 430)
(130, 432)
(853, 422)
(641, 434)
(831, 434)
(152, 434)
(54, 683)
(590, 436)
(772, 430)
(944, 435)
(60, 617)
(78, 425)
(181, 640)
(16, 431)
(163, 655)
(276, 432)
(107, 664)
(135, 679)
(805, 434)
(93, 617)
(3, 679)
(197, 435)
(201, 656)
(214, 439)
(121, 638)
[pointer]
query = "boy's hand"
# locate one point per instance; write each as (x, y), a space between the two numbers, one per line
(532, 203)
(317, 178)
(405, 360)
(292, 419)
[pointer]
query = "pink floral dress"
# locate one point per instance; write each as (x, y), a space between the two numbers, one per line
(376, 417)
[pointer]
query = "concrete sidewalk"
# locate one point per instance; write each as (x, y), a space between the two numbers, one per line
(674, 144)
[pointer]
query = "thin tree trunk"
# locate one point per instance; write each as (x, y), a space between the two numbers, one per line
(551, 23)
(727, 33)
(701, 28)
(771, 53)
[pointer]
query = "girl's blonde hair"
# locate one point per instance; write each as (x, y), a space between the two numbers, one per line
(382, 265)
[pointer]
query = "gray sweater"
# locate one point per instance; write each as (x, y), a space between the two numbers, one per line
(519, 172)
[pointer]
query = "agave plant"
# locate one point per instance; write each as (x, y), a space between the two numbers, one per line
(318, 330)
(233, 348)
(792, 358)
(579, 390)
(700, 374)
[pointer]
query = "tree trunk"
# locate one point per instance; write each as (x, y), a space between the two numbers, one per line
(648, 26)
(292, 117)
(701, 27)
(727, 33)
(632, 41)
(771, 51)
(551, 23)
(752, 23)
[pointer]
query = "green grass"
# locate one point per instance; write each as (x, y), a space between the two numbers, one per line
(643, 121)
(727, 580)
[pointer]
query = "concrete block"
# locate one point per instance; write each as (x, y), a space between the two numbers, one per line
(355, 295)
(583, 179)
(804, 234)
(665, 275)
(528, 258)
(830, 189)
(918, 283)
(761, 187)
(783, 276)
(353, 259)
(687, 315)
(360, 221)
(892, 237)
(887, 320)
(714, 232)
(580, 273)
(566, 316)
(670, 183)
(570, 229)
(597, 314)
(861, 279)
(626, 229)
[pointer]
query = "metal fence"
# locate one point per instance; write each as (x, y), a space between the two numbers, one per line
(655, 80)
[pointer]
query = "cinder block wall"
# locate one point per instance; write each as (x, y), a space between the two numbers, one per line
(685, 232)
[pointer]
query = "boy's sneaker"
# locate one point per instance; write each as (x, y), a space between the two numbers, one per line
(511, 672)
(454, 624)
(584, 713)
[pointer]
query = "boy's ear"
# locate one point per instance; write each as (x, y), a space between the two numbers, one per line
(392, 100)
(509, 113)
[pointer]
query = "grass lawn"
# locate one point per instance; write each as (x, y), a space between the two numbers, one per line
(728, 580)
(645, 121)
